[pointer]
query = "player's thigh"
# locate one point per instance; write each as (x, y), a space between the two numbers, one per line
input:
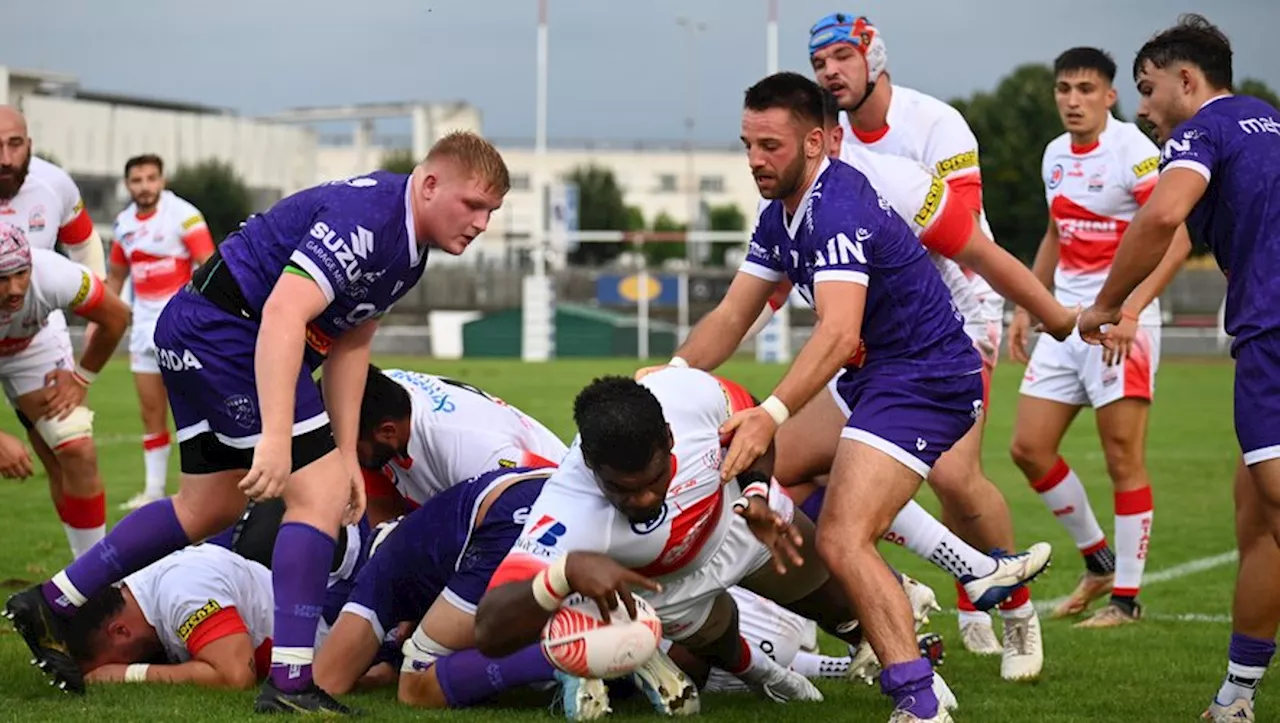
(1052, 385)
(208, 503)
(450, 626)
(1038, 430)
(1251, 512)
(347, 653)
(1122, 428)
(142, 345)
(805, 444)
(867, 489)
(152, 400)
(959, 468)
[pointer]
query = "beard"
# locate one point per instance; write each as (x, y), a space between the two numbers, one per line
(379, 456)
(12, 178)
(791, 177)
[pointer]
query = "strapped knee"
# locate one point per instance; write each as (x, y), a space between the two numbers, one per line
(60, 433)
(421, 652)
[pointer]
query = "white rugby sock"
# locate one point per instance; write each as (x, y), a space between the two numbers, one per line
(1134, 513)
(920, 532)
(1064, 495)
(155, 455)
(812, 665)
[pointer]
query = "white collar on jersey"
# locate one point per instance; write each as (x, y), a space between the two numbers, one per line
(414, 255)
(793, 223)
(1214, 98)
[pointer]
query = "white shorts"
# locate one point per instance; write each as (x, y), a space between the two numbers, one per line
(685, 602)
(50, 349)
(142, 346)
(1072, 371)
(772, 629)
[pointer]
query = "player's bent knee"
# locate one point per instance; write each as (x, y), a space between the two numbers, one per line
(422, 690)
(1033, 458)
(69, 435)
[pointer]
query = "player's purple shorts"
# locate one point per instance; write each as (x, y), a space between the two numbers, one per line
(438, 551)
(1257, 402)
(912, 420)
(206, 359)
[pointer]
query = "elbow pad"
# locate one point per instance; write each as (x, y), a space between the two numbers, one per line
(89, 253)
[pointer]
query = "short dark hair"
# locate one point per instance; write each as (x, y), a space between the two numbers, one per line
(146, 159)
(620, 423)
(1193, 40)
(82, 632)
(791, 91)
(384, 400)
(1085, 58)
(830, 109)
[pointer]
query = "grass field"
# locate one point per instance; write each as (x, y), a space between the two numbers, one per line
(1164, 669)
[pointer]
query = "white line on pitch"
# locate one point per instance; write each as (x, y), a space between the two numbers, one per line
(1176, 572)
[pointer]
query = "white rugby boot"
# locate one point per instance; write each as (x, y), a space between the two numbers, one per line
(1239, 710)
(1023, 649)
(582, 698)
(978, 634)
(1011, 573)
(779, 684)
(668, 689)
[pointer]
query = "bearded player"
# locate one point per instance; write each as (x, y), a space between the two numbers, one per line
(300, 286)
(159, 238)
(1220, 175)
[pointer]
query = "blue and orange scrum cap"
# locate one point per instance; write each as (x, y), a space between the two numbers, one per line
(856, 30)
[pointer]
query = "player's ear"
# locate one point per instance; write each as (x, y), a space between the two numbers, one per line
(386, 433)
(671, 439)
(815, 143)
(1111, 97)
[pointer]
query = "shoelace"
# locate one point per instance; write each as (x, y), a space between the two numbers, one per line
(1018, 633)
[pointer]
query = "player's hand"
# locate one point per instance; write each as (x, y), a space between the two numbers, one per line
(15, 462)
(62, 394)
(775, 533)
(603, 580)
(1118, 341)
(752, 430)
(646, 371)
(109, 673)
(356, 504)
(1092, 320)
(1061, 327)
(1019, 335)
(272, 465)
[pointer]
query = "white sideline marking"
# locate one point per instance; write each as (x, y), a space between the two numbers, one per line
(1215, 619)
(1176, 572)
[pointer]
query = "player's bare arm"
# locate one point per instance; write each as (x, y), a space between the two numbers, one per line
(1014, 281)
(511, 615)
(345, 371)
(717, 335)
(1042, 268)
(1120, 337)
(1145, 244)
(294, 301)
(117, 274)
(836, 336)
(67, 387)
(224, 663)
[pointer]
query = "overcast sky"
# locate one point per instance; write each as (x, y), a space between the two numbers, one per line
(619, 69)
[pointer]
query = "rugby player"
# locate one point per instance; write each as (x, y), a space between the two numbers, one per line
(420, 434)
(849, 58)
(159, 237)
(43, 202)
(1096, 175)
(1220, 175)
(296, 287)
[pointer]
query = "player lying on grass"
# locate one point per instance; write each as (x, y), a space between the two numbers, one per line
(638, 505)
(297, 287)
(420, 434)
(204, 610)
(429, 570)
(43, 380)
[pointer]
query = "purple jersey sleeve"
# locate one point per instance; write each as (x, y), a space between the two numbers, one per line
(1194, 145)
(332, 253)
(763, 257)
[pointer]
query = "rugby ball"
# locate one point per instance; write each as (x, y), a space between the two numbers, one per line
(578, 641)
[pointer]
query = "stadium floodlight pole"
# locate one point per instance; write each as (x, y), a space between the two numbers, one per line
(773, 344)
(771, 40)
(693, 195)
(537, 301)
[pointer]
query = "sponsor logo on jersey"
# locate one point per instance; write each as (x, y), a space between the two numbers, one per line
(1263, 124)
(1098, 180)
(193, 621)
(86, 285)
(506, 463)
(931, 202)
(549, 531)
(1148, 165)
(177, 361)
(195, 220)
(347, 252)
(35, 222)
(78, 207)
(644, 528)
(958, 162)
(840, 249)
(319, 341)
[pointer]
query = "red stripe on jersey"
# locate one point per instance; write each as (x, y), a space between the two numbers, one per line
(199, 242)
(536, 461)
(1088, 240)
(739, 398)
(117, 254)
(780, 294)
(158, 277)
(378, 484)
(951, 227)
(78, 230)
(217, 626)
(517, 567)
(1142, 191)
(689, 532)
(1137, 368)
(91, 300)
(966, 189)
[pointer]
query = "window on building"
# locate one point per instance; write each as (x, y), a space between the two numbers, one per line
(667, 183)
(711, 184)
(520, 182)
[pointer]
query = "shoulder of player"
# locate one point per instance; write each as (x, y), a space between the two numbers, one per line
(1056, 148)
(49, 172)
(928, 112)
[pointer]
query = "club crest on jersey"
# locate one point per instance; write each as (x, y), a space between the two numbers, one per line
(35, 222)
(1097, 181)
(644, 528)
(1055, 176)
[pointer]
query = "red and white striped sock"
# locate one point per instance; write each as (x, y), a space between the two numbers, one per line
(155, 456)
(1064, 495)
(85, 521)
(1134, 511)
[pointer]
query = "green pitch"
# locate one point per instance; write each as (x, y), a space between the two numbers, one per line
(1163, 669)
